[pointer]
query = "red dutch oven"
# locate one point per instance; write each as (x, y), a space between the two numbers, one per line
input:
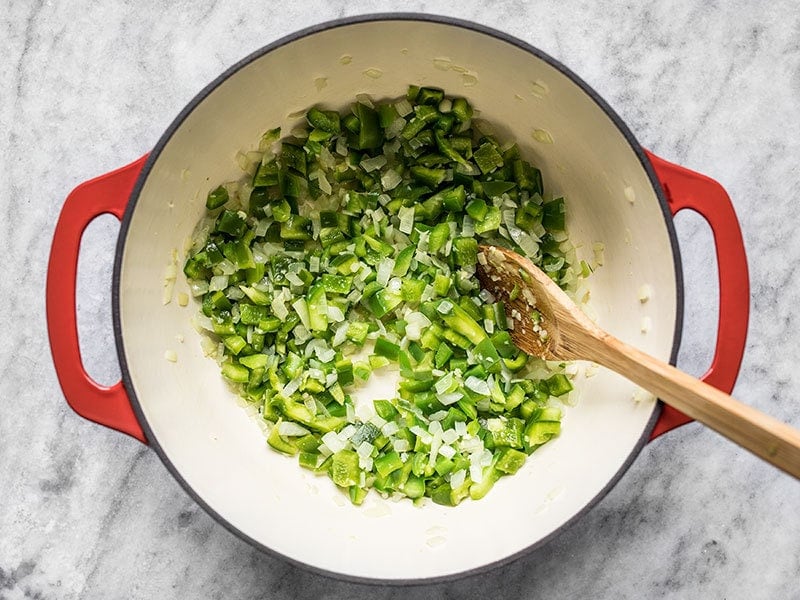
(617, 194)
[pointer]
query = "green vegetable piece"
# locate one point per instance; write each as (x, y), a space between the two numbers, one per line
(344, 468)
(232, 223)
(430, 95)
(235, 373)
(490, 477)
(540, 432)
(462, 109)
(377, 362)
(443, 354)
(447, 148)
(382, 302)
(508, 434)
(403, 261)
(441, 284)
(325, 120)
(317, 308)
(385, 410)
(424, 115)
(296, 228)
(293, 157)
(438, 237)
(252, 315)
(196, 266)
(267, 175)
(445, 495)
(387, 114)
(388, 463)
(336, 284)
(366, 432)
(558, 385)
(430, 177)
(528, 178)
(357, 332)
(460, 322)
(465, 251)
(509, 460)
(370, 135)
(490, 222)
(234, 343)
(309, 460)
(344, 374)
(254, 361)
(281, 211)
(414, 487)
(514, 398)
(384, 347)
(504, 344)
(411, 290)
(279, 443)
(493, 189)
(357, 494)
(553, 215)
(477, 209)
(487, 158)
(216, 198)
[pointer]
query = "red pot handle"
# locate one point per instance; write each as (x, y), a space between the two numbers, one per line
(687, 189)
(107, 194)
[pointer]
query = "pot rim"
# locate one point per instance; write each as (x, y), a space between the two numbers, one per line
(292, 37)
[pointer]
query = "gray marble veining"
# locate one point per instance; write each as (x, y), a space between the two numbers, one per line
(88, 86)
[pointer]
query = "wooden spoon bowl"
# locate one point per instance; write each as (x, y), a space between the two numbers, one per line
(547, 323)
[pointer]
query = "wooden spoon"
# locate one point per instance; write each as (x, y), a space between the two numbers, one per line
(563, 332)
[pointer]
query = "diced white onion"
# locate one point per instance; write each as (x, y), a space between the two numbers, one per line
(390, 180)
(291, 387)
(373, 163)
(301, 308)
(416, 322)
(401, 445)
(390, 428)
(447, 451)
(403, 107)
(291, 429)
(384, 271)
(457, 479)
(333, 443)
(406, 215)
(218, 283)
(450, 436)
(477, 385)
(451, 398)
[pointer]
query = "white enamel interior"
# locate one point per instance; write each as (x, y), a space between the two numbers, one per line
(219, 450)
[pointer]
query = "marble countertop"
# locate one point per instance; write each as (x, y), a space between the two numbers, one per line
(89, 86)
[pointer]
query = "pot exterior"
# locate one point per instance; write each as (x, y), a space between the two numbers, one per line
(217, 451)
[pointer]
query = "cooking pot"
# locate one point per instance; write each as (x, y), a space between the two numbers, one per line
(617, 194)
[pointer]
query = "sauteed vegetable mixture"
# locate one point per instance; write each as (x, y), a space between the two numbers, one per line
(348, 251)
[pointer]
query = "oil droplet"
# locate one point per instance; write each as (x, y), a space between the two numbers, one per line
(518, 97)
(539, 89)
(630, 195)
(468, 79)
(443, 64)
(435, 541)
(373, 73)
(320, 83)
(542, 135)
(403, 50)
(345, 59)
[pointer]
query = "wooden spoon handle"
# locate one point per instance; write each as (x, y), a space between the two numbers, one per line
(764, 436)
